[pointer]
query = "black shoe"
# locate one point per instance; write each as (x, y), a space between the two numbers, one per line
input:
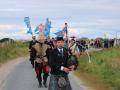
(45, 85)
(40, 85)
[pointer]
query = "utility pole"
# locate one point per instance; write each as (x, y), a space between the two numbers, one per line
(117, 37)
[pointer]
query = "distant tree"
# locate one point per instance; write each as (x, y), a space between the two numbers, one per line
(7, 40)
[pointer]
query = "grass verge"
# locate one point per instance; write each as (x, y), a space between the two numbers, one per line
(104, 71)
(12, 51)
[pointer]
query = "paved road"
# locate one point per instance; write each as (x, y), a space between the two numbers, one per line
(23, 78)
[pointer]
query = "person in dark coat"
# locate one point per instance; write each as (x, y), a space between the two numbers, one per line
(59, 67)
(32, 50)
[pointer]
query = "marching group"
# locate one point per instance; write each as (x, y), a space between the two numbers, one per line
(54, 57)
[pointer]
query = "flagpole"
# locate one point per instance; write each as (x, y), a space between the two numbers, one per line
(66, 26)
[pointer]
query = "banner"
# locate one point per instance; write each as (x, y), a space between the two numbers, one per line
(45, 29)
(60, 33)
(39, 29)
(63, 32)
(27, 22)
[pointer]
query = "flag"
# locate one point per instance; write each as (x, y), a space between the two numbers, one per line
(60, 33)
(47, 28)
(39, 29)
(65, 30)
(27, 22)
(36, 29)
(30, 31)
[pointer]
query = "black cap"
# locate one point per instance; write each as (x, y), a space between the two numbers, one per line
(59, 39)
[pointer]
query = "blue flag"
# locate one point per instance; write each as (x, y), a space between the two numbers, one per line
(65, 29)
(59, 33)
(62, 32)
(36, 30)
(27, 22)
(47, 28)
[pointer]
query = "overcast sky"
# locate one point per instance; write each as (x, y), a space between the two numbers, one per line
(85, 18)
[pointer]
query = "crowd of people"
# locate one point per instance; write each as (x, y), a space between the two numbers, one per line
(96, 43)
(57, 57)
(54, 57)
(103, 43)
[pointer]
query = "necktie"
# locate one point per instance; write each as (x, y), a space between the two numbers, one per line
(61, 52)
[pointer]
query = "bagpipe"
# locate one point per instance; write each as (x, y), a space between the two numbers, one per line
(72, 60)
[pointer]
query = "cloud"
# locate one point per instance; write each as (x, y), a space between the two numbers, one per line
(11, 10)
(17, 36)
(86, 18)
(10, 28)
(13, 31)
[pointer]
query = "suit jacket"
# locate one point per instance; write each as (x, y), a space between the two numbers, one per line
(57, 60)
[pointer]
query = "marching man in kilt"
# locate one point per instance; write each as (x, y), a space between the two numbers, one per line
(59, 67)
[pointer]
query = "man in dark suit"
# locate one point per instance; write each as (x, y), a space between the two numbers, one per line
(59, 68)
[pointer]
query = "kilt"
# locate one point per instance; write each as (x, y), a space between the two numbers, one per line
(53, 85)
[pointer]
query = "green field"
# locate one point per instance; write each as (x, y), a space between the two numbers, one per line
(104, 71)
(12, 50)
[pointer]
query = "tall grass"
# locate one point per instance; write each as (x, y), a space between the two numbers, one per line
(105, 66)
(12, 50)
